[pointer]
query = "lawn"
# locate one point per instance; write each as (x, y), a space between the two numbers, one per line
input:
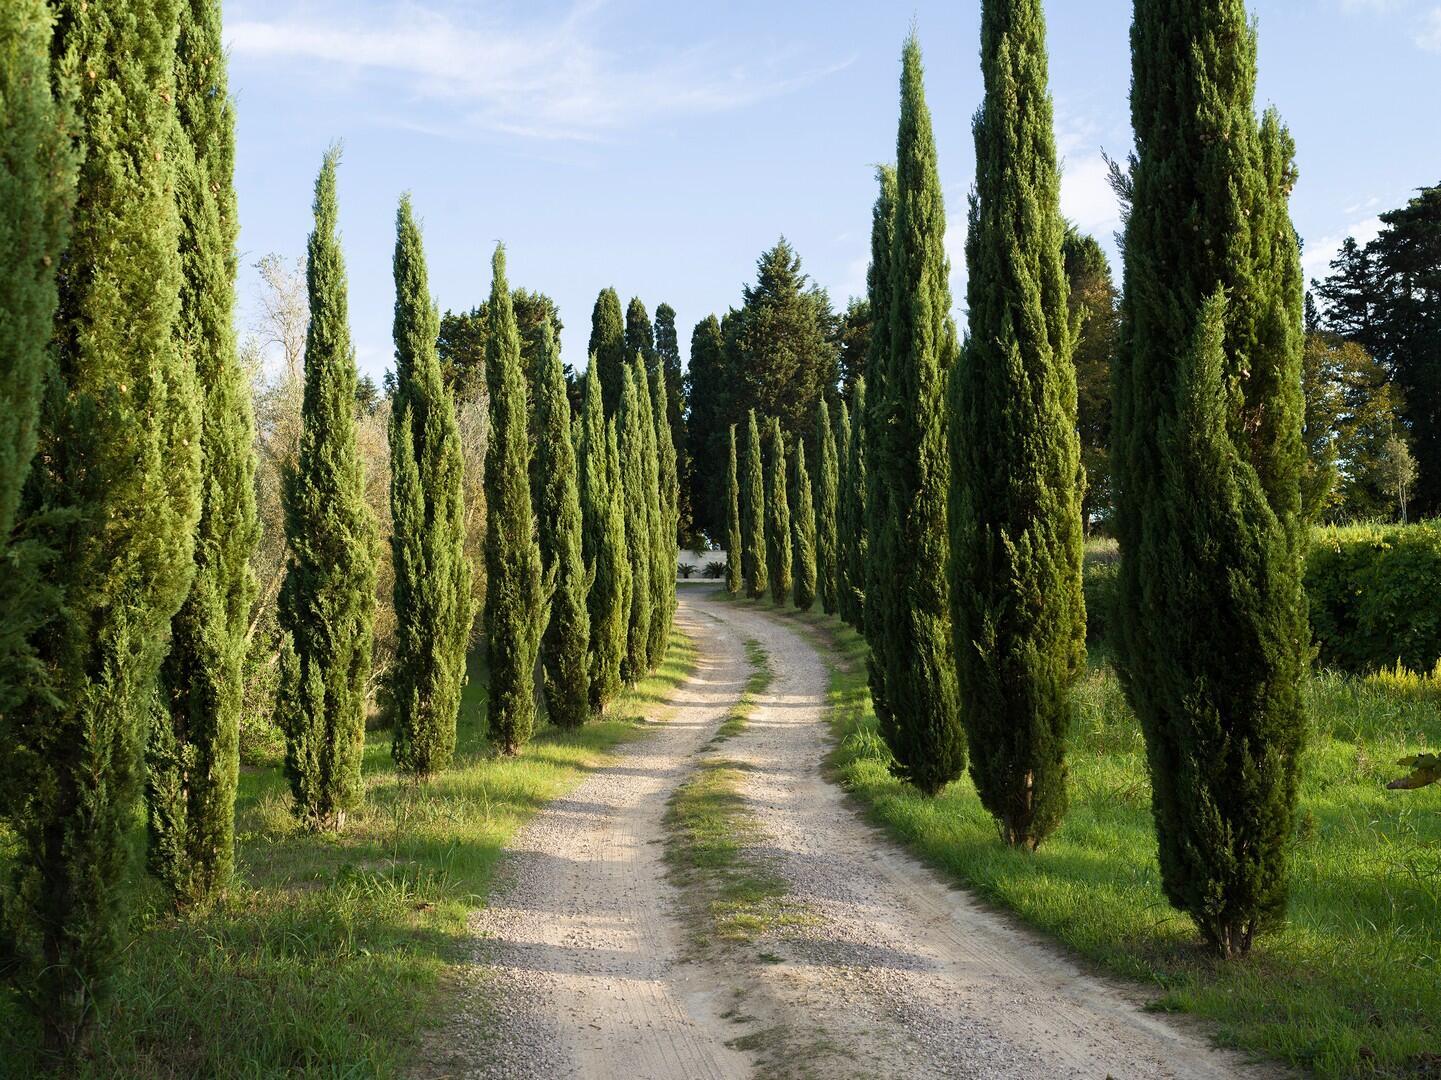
(1350, 987)
(329, 957)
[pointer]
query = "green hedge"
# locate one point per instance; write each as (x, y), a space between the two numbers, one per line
(1375, 593)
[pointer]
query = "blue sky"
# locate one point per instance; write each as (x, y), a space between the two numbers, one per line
(660, 147)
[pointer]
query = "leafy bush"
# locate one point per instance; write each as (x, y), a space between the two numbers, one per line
(1372, 591)
(1101, 572)
(714, 570)
(686, 570)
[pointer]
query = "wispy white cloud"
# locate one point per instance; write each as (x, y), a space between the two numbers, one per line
(1428, 35)
(1316, 260)
(548, 80)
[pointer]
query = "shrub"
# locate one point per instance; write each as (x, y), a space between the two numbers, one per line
(686, 570)
(1370, 589)
(1101, 572)
(714, 570)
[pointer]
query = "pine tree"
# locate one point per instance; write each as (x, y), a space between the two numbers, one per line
(515, 595)
(913, 680)
(602, 546)
(1015, 503)
(427, 501)
(607, 347)
(1208, 457)
(803, 528)
(327, 604)
(778, 516)
(114, 493)
(827, 500)
(667, 347)
(564, 648)
(631, 443)
(194, 751)
(668, 496)
(753, 515)
(733, 519)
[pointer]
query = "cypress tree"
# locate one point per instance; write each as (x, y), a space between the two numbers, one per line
(778, 516)
(631, 445)
(733, 518)
(114, 493)
(668, 497)
(607, 347)
(515, 605)
(194, 758)
(1207, 459)
(565, 646)
(753, 515)
(657, 563)
(1016, 538)
(803, 591)
(602, 546)
(639, 334)
(667, 347)
(327, 603)
(913, 679)
(427, 501)
(827, 499)
(848, 512)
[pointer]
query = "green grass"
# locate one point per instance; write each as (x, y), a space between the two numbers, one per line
(1351, 986)
(330, 956)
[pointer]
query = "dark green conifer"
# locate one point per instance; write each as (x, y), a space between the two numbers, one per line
(1207, 462)
(515, 595)
(1015, 504)
(733, 519)
(754, 557)
(113, 493)
(327, 604)
(778, 516)
(667, 347)
(631, 428)
(427, 503)
(803, 529)
(602, 545)
(564, 648)
(854, 544)
(639, 334)
(194, 758)
(668, 499)
(828, 483)
(607, 347)
(658, 562)
(913, 678)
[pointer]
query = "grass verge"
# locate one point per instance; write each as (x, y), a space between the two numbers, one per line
(1351, 986)
(328, 959)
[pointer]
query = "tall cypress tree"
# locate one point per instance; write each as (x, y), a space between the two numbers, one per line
(194, 758)
(1015, 503)
(327, 604)
(427, 503)
(668, 497)
(667, 347)
(733, 518)
(827, 500)
(854, 543)
(602, 546)
(639, 334)
(1207, 458)
(913, 679)
(515, 607)
(778, 515)
(565, 646)
(631, 444)
(753, 515)
(656, 561)
(114, 493)
(803, 528)
(607, 347)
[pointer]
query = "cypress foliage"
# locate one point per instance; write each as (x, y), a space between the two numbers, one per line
(827, 500)
(667, 347)
(639, 334)
(1207, 458)
(854, 544)
(913, 680)
(803, 590)
(515, 604)
(668, 495)
(607, 347)
(602, 545)
(114, 493)
(427, 502)
(733, 519)
(657, 562)
(1015, 503)
(753, 515)
(194, 758)
(327, 603)
(631, 444)
(565, 646)
(778, 516)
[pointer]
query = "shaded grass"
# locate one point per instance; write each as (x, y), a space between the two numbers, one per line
(329, 956)
(1351, 986)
